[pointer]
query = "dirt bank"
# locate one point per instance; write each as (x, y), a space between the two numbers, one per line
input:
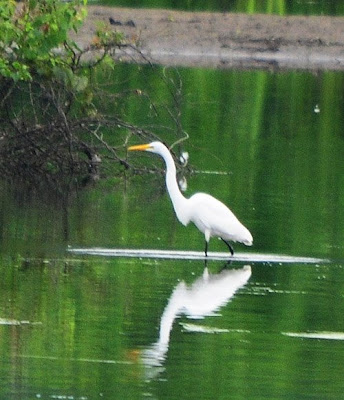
(225, 40)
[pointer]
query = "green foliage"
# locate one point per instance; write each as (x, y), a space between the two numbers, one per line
(53, 105)
(106, 36)
(48, 86)
(33, 35)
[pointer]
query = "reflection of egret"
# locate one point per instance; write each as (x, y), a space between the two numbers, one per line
(210, 216)
(203, 298)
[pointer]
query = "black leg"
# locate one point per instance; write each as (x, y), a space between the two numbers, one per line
(226, 265)
(206, 254)
(229, 246)
(206, 249)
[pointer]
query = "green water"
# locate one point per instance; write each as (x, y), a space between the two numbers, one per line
(83, 327)
(280, 7)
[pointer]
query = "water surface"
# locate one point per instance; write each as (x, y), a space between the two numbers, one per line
(268, 325)
(281, 7)
(121, 328)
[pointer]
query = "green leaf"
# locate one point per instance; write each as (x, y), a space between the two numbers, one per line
(79, 83)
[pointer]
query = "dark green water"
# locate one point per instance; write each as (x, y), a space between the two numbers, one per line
(83, 327)
(281, 7)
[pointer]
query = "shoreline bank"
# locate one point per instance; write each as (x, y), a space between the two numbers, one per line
(223, 40)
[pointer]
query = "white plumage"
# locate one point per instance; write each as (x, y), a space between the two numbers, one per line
(210, 216)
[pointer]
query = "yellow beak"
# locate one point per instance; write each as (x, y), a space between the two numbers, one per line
(141, 147)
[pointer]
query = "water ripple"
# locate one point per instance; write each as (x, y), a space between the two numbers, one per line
(196, 255)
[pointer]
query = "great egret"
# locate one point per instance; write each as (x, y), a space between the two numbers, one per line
(210, 216)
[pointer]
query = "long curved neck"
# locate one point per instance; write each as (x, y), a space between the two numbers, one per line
(177, 198)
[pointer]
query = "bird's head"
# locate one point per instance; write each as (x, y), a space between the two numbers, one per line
(154, 147)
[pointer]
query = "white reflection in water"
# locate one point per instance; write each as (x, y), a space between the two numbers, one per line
(203, 298)
(5, 321)
(316, 335)
(196, 255)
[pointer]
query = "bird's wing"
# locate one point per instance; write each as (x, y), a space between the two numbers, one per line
(211, 211)
(212, 207)
(209, 214)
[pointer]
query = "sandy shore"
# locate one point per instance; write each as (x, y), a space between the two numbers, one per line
(224, 40)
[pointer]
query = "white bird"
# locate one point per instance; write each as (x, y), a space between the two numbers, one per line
(210, 216)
